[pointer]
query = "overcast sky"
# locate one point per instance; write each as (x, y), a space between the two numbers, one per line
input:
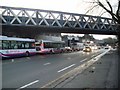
(73, 6)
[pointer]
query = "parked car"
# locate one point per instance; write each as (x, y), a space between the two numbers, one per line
(68, 49)
(106, 47)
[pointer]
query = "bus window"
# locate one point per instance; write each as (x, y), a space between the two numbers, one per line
(20, 45)
(6, 44)
(32, 45)
(27, 45)
(14, 45)
(47, 45)
(0, 44)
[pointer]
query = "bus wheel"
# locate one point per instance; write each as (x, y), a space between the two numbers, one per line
(27, 54)
(51, 51)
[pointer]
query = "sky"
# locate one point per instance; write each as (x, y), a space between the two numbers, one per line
(73, 6)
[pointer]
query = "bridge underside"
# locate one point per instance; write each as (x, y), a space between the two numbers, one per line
(32, 31)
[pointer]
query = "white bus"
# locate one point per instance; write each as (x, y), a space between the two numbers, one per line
(46, 46)
(15, 47)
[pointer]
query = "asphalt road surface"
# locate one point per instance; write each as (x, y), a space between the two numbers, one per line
(38, 70)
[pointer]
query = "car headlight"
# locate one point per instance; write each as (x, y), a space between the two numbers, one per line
(88, 49)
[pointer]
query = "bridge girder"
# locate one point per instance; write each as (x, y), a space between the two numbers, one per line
(32, 31)
(36, 20)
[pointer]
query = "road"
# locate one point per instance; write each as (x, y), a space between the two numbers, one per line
(38, 70)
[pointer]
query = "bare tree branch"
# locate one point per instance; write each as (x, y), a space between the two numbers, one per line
(110, 12)
(108, 9)
(109, 5)
(118, 10)
(102, 13)
(91, 9)
(115, 16)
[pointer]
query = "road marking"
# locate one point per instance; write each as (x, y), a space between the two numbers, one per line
(100, 55)
(28, 58)
(93, 67)
(69, 58)
(83, 60)
(12, 60)
(66, 68)
(28, 84)
(92, 56)
(46, 63)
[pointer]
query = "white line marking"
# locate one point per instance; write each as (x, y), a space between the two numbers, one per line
(93, 67)
(92, 56)
(28, 58)
(28, 84)
(83, 60)
(66, 68)
(46, 64)
(12, 60)
(69, 58)
(100, 55)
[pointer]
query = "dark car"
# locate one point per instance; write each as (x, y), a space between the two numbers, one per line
(106, 47)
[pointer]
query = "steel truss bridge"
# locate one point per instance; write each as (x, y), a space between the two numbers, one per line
(62, 22)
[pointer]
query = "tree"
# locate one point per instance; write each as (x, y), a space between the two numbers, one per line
(108, 8)
(114, 14)
(110, 41)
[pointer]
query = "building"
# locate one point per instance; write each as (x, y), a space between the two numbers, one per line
(70, 40)
(49, 36)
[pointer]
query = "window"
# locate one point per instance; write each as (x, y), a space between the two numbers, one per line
(20, 45)
(14, 45)
(27, 45)
(6, 44)
(0, 44)
(32, 45)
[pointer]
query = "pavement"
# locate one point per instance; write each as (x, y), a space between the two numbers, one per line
(102, 74)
